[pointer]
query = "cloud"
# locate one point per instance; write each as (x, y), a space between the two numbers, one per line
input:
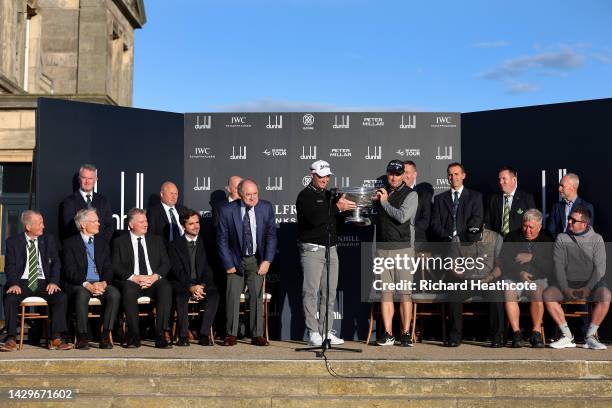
(602, 57)
(491, 44)
(564, 60)
(274, 105)
(521, 87)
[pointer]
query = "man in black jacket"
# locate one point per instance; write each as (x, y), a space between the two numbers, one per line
(33, 269)
(192, 278)
(527, 256)
(88, 273)
(140, 265)
(504, 210)
(163, 216)
(457, 210)
(316, 213)
(85, 197)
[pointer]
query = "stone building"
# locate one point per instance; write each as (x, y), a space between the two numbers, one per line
(70, 49)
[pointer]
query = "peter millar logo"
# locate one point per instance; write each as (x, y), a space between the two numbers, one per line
(202, 184)
(275, 122)
(306, 180)
(340, 153)
(238, 122)
(444, 122)
(308, 120)
(203, 122)
(375, 153)
(309, 154)
(242, 153)
(448, 153)
(409, 122)
(373, 122)
(341, 122)
(344, 182)
(409, 152)
(373, 183)
(202, 153)
(275, 152)
(275, 183)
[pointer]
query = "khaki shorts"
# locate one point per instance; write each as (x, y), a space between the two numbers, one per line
(395, 274)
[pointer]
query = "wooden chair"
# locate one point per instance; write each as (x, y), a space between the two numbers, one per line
(143, 300)
(267, 297)
(31, 302)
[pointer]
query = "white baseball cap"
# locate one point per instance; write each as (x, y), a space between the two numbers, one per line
(321, 167)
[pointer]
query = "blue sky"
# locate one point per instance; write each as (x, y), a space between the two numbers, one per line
(361, 55)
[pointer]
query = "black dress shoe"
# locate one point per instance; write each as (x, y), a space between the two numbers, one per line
(161, 343)
(133, 342)
(206, 341)
(453, 343)
(182, 342)
(105, 344)
(82, 344)
(496, 344)
(517, 339)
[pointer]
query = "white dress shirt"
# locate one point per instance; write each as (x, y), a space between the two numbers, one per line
(176, 216)
(134, 239)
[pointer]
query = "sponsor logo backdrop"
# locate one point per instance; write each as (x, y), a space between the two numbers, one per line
(276, 149)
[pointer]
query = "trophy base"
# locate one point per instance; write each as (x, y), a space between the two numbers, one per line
(359, 221)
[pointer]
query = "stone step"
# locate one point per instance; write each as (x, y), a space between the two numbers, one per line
(100, 401)
(491, 369)
(260, 386)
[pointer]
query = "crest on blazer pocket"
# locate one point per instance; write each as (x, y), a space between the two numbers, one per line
(519, 211)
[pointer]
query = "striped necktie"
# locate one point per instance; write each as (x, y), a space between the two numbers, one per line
(32, 267)
(506, 218)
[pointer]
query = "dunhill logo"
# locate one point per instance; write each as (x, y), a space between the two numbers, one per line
(120, 218)
(343, 123)
(312, 153)
(374, 154)
(448, 153)
(275, 183)
(344, 182)
(276, 124)
(410, 122)
(204, 186)
(242, 153)
(203, 122)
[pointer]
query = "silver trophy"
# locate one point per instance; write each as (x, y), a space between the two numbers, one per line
(363, 197)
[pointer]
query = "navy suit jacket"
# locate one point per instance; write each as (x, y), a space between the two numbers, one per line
(557, 216)
(16, 258)
(181, 265)
(74, 257)
(230, 234)
(75, 202)
(521, 202)
(469, 214)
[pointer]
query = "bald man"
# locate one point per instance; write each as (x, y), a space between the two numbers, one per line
(163, 217)
(568, 190)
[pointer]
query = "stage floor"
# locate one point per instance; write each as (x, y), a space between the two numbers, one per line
(284, 350)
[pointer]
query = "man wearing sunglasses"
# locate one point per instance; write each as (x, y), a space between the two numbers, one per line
(580, 265)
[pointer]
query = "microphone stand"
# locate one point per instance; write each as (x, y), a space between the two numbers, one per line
(326, 344)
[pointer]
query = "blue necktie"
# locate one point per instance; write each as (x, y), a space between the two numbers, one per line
(246, 228)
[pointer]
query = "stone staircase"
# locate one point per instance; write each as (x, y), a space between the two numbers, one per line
(308, 383)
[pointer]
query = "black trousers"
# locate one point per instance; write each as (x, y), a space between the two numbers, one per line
(496, 313)
(79, 297)
(211, 302)
(57, 307)
(160, 292)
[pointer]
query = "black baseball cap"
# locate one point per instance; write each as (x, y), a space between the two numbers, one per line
(395, 167)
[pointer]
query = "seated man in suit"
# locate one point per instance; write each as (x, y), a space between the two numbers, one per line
(456, 210)
(246, 241)
(33, 269)
(504, 210)
(527, 257)
(88, 272)
(163, 216)
(140, 264)
(191, 278)
(85, 197)
(580, 266)
(568, 188)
